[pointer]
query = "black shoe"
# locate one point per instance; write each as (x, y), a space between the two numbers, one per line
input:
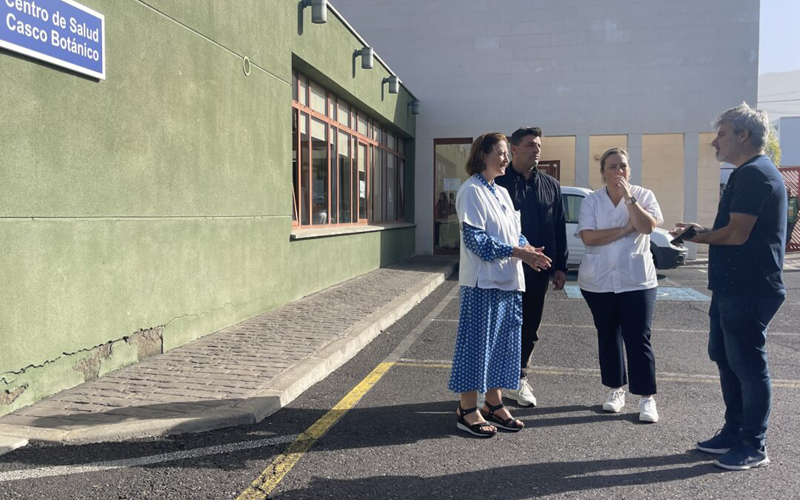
(509, 424)
(479, 429)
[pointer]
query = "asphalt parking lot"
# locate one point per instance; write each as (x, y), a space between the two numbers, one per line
(392, 432)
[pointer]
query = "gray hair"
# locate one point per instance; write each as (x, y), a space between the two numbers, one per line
(742, 118)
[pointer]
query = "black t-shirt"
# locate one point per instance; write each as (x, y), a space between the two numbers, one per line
(755, 268)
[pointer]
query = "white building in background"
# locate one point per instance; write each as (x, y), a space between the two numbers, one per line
(648, 75)
(788, 131)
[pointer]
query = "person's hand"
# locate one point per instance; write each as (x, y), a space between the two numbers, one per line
(621, 184)
(532, 256)
(629, 228)
(681, 227)
(559, 278)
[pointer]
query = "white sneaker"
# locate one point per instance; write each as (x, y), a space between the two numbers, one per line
(647, 410)
(614, 401)
(523, 396)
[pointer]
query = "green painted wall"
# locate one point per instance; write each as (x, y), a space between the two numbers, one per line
(160, 198)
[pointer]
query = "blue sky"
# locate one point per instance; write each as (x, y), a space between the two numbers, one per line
(780, 36)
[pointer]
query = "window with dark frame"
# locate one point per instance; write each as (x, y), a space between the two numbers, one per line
(346, 167)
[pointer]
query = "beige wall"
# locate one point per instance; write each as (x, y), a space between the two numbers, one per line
(599, 144)
(662, 172)
(708, 181)
(707, 184)
(563, 149)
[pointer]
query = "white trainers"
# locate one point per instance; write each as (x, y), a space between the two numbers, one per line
(614, 401)
(523, 396)
(647, 410)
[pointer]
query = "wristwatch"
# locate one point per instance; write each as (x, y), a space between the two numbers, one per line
(631, 201)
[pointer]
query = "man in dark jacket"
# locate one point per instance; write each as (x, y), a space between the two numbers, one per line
(538, 197)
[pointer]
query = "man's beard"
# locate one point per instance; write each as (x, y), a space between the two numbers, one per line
(719, 156)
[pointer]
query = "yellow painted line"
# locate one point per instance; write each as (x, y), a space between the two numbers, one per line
(283, 463)
(424, 365)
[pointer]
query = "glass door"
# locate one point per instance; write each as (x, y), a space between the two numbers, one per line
(450, 156)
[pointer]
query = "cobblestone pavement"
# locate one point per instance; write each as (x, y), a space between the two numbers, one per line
(238, 375)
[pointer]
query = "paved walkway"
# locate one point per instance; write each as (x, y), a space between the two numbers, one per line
(236, 376)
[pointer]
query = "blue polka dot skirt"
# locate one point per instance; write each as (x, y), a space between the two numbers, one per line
(489, 339)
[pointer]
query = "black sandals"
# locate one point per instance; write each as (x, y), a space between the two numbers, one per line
(478, 429)
(509, 424)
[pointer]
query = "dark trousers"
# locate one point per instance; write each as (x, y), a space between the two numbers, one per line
(737, 343)
(625, 317)
(536, 285)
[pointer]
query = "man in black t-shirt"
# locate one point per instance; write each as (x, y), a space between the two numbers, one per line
(745, 265)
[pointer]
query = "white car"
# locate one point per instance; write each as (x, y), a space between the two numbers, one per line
(665, 255)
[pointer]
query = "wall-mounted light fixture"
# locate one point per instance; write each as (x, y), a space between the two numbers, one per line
(319, 10)
(414, 105)
(394, 84)
(367, 56)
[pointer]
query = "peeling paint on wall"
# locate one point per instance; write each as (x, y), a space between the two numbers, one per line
(8, 397)
(90, 366)
(148, 342)
(34, 382)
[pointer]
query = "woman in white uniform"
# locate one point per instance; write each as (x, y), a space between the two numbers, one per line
(488, 343)
(617, 278)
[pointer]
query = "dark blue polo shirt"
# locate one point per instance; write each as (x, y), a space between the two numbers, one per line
(755, 268)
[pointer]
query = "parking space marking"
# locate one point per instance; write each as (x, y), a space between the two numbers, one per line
(283, 463)
(672, 293)
(594, 372)
(66, 470)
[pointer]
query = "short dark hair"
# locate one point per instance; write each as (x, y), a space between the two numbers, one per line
(482, 146)
(522, 132)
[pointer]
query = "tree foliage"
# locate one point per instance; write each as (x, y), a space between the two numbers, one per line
(773, 148)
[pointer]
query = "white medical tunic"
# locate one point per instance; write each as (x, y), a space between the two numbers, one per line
(623, 265)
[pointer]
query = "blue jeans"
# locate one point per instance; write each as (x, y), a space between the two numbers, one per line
(737, 343)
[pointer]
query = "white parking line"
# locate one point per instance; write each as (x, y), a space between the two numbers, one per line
(66, 470)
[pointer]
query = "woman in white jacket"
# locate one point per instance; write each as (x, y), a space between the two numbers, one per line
(617, 278)
(488, 343)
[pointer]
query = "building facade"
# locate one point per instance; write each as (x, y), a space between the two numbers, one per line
(236, 157)
(647, 75)
(788, 131)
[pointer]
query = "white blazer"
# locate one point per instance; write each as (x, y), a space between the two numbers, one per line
(478, 207)
(623, 265)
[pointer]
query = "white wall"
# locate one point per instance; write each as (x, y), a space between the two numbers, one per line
(573, 67)
(789, 136)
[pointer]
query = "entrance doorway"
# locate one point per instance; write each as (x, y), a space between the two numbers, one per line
(550, 167)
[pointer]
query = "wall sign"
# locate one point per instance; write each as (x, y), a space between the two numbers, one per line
(61, 32)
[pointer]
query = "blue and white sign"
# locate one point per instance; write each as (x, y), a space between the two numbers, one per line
(61, 32)
(672, 293)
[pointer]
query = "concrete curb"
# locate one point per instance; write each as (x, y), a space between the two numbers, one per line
(281, 390)
(10, 443)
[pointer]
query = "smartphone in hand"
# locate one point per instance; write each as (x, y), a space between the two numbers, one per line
(688, 234)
